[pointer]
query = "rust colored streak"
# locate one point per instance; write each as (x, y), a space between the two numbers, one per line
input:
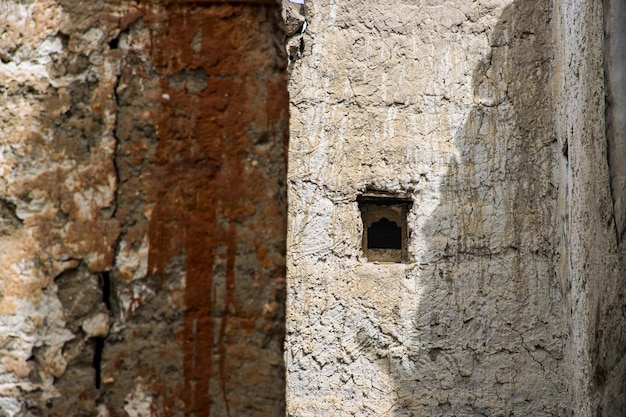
(206, 192)
(230, 306)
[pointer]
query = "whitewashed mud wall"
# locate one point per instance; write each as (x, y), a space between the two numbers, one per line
(449, 102)
(592, 266)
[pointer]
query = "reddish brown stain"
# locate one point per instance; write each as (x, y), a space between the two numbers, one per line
(214, 189)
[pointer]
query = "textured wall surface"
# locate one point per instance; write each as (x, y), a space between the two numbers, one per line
(142, 150)
(592, 266)
(615, 82)
(449, 102)
(142, 208)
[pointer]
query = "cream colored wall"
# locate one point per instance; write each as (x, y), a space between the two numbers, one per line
(591, 266)
(451, 103)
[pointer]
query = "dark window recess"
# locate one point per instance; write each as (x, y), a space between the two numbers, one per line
(385, 233)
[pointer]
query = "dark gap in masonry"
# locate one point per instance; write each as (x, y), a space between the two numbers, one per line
(105, 285)
(106, 289)
(384, 234)
(97, 360)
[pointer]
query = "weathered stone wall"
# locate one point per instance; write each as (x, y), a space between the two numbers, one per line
(615, 92)
(143, 208)
(451, 103)
(592, 266)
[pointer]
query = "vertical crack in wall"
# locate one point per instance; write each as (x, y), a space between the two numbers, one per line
(97, 360)
(104, 277)
(99, 341)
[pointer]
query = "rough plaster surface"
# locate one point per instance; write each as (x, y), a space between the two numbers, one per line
(615, 91)
(592, 266)
(142, 152)
(451, 103)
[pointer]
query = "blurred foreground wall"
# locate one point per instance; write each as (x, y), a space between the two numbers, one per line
(143, 209)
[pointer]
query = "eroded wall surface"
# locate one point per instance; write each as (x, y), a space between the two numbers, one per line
(615, 110)
(592, 264)
(142, 150)
(449, 102)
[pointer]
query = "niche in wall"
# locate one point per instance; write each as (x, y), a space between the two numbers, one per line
(385, 233)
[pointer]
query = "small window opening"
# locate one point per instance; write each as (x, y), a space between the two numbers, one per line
(385, 233)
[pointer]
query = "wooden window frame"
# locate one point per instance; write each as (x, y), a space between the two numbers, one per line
(394, 207)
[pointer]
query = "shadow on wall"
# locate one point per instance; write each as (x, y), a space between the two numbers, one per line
(487, 337)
